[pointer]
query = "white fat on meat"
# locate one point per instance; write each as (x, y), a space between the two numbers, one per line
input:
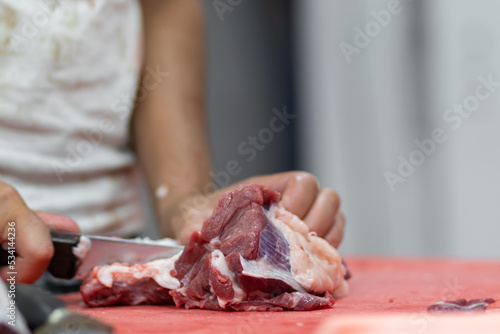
(82, 248)
(316, 265)
(159, 270)
(218, 261)
(263, 269)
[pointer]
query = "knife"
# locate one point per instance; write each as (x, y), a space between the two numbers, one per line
(47, 314)
(76, 254)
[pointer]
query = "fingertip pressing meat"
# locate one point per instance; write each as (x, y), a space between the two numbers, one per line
(251, 255)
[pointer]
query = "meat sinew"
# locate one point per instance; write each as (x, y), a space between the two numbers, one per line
(251, 254)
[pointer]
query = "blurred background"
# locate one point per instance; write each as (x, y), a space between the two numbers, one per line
(370, 82)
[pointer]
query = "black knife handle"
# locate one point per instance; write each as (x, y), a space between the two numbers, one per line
(64, 262)
(4, 257)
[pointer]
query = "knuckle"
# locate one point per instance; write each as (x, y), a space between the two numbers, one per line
(336, 234)
(307, 179)
(331, 196)
(43, 253)
(7, 193)
(335, 239)
(39, 250)
(342, 219)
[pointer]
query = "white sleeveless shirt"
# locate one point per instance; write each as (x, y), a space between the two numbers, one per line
(69, 70)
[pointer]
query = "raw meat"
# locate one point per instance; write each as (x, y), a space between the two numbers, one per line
(251, 254)
(124, 284)
(461, 305)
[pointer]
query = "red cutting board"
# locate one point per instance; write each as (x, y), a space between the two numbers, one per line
(377, 285)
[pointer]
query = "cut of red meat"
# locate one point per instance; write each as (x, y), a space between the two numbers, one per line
(461, 305)
(251, 254)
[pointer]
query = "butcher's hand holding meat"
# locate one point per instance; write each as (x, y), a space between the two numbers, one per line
(300, 192)
(251, 254)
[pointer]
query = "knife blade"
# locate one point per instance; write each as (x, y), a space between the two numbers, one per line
(76, 254)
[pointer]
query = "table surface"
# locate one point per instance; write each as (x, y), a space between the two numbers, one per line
(378, 285)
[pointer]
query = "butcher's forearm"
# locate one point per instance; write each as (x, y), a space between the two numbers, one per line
(169, 131)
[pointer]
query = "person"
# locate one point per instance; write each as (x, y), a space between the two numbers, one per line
(75, 121)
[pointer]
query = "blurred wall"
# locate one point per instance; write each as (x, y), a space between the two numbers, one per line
(249, 68)
(374, 88)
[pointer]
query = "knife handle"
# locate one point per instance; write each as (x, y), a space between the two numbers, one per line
(64, 262)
